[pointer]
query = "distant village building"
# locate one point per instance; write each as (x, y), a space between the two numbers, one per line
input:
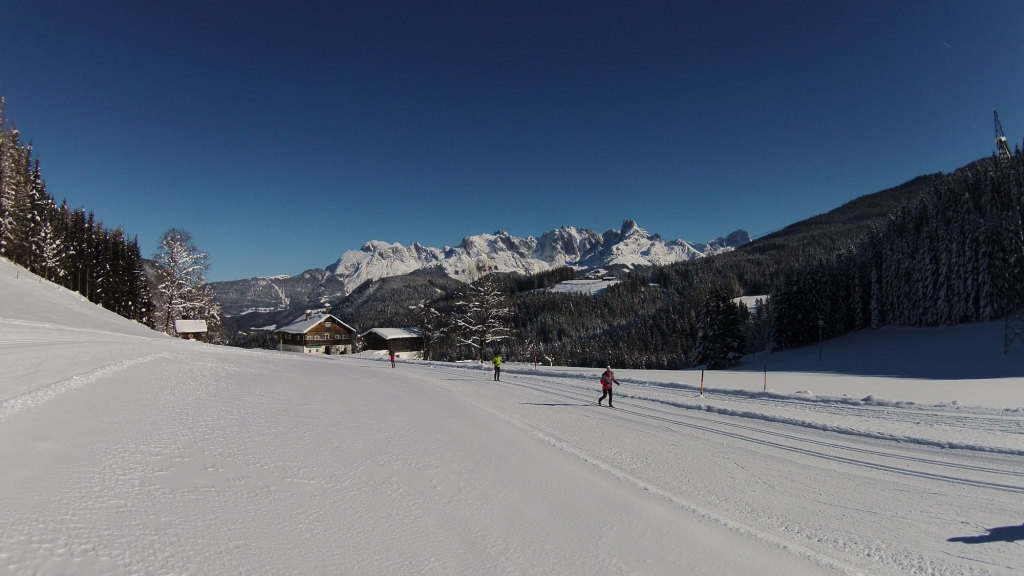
(394, 339)
(190, 329)
(316, 332)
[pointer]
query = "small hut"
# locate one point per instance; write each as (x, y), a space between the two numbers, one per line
(190, 329)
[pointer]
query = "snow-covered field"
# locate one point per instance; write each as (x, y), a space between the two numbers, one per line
(127, 452)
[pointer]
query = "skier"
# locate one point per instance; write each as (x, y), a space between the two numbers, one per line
(606, 386)
(497, 367)
(392, 358)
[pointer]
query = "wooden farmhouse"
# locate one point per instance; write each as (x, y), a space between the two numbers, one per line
(393, 339)
(316, 333)
(190, 329)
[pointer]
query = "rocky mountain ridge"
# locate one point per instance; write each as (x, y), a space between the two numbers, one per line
(626, 248)
(629, 247)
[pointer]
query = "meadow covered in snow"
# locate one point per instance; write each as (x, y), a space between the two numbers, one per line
(128, 452)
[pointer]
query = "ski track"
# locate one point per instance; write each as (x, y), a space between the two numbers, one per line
(43, 394)
(990, 475)
(737, 527)
(771, 438)
(1006, 428)
(16, 332)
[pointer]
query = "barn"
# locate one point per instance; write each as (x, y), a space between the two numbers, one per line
(393, 339)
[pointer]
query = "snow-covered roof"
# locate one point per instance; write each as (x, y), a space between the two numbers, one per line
(304, 324)
(394, 333)
(189, 326)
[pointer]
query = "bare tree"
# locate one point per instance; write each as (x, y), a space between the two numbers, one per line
(182, 291)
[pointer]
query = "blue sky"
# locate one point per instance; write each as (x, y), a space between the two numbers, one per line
(282, 134)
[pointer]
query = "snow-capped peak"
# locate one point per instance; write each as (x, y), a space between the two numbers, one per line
(502, 252)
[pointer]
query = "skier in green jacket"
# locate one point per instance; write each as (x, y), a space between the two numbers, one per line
(497, 367)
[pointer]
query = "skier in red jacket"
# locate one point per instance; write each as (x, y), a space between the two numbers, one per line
(606, 386)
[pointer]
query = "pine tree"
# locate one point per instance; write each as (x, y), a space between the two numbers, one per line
(51, 248)
(139, 304)
(431, 325)
(15, 202)
(721, 340)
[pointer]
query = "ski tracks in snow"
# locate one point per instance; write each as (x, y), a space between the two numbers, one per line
(48, 392)
(839, 468)
(621, 473)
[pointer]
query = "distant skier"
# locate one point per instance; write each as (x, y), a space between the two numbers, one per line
(392, 358)
(497, 367)
(606, 386)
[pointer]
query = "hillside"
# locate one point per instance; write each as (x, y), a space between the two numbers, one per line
(763, 265)
(843, 226)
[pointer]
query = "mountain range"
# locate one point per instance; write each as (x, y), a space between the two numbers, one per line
(585, 250)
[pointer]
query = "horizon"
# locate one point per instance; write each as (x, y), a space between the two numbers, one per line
(281, 137)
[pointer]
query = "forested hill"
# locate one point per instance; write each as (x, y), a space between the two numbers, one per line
(845, 225)
(953, 257)
(762, 265)
(937, 249)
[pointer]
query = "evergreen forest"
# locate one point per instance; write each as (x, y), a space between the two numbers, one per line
(67, 246)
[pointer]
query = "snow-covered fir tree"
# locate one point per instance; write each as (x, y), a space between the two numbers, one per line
(431, 325)
(720, 337)
(482, 316)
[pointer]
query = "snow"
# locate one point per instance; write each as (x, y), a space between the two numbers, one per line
(750, 301)
(307, 322)
(390, 333)
(591, 287)
(183, 326)
(129, 452)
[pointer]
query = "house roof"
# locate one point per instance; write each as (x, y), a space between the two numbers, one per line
(394, 333)
(187, 326)
(301, 325)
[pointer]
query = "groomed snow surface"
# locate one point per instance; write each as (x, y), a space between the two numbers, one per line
(127, 452)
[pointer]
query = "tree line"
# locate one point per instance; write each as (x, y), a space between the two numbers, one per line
(70, 247)
(73, 248)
